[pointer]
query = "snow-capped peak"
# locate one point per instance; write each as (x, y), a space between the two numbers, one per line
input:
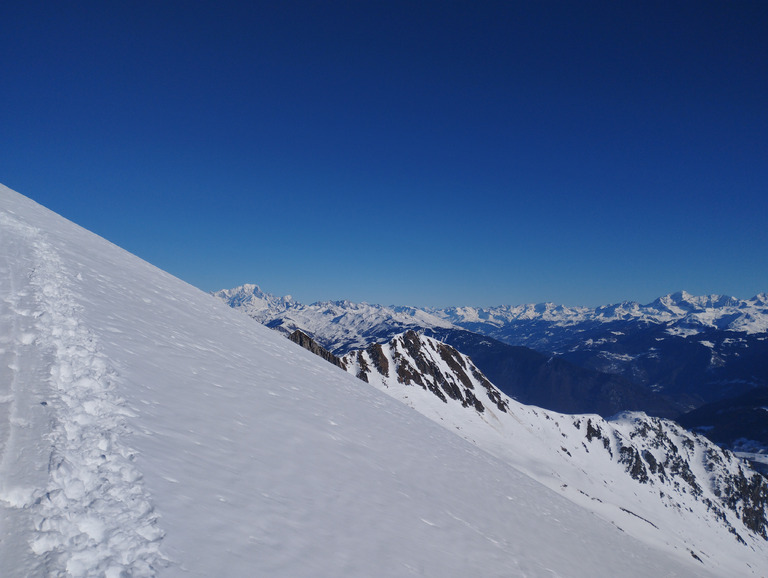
(251, 299)
(716, 311)
(336, 325)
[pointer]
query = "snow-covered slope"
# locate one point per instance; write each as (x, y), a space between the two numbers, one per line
(148, 429)
(660, 483)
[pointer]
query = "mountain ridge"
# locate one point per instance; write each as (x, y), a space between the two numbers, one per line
(691, 350)
(678, 473)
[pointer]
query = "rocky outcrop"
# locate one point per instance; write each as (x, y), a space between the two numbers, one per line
(415, 360)
(310, 344)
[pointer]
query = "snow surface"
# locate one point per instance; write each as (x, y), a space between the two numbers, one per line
(555, 449)
(148, 429)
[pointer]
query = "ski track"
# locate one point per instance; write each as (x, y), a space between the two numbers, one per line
(90, 512)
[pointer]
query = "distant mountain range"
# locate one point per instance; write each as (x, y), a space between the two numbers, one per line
(693, 349)
(339, 326)
(550, 381)
(344, 323)
(681, 313)
(669, 357)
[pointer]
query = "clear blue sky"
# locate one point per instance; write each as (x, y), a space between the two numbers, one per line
(422, 153)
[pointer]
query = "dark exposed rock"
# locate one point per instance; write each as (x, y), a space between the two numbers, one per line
(748, 496)
(310, 344)
(635, 466)
(379, 359)
(653, 465)
(630, 512)
(432, 365)
(456, 363)
(363, 372)
(593, 431)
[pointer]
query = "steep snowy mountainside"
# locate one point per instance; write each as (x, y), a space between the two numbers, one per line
(147, 429)
(646, 475)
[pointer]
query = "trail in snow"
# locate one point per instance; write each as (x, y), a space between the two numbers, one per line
(88, 507)
(24, 420)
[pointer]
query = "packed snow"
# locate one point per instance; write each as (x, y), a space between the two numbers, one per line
(148, 429)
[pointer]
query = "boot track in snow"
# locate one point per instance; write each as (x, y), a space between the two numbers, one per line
(90, 512)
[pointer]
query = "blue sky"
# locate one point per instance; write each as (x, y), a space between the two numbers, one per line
(421, 153)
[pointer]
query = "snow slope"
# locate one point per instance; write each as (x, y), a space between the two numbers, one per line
(662, 484)
(148, 429)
